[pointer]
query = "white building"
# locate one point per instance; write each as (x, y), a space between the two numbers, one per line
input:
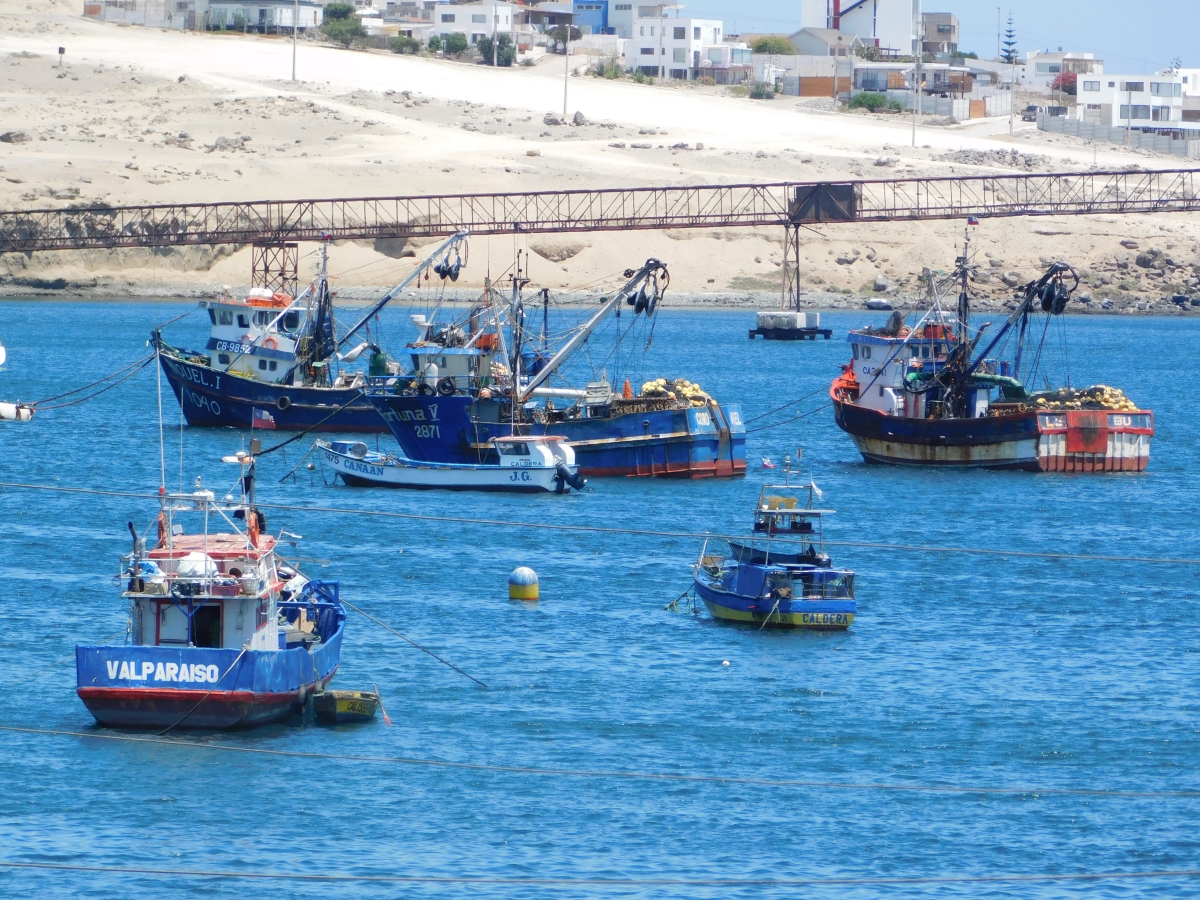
(672, 46)
(892, 26)
(1145, 102)
(475, 20)
(1042, 68)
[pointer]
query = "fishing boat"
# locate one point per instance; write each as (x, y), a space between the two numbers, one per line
(485, 375)
(345, 707)
(926, 395)
(529, 464)
(277, 362)
(781, 577)
(223, 633)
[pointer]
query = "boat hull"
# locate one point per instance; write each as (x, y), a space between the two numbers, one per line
(993, 442)
(194, 687)
(1033, 440)
(216, 399)
(345, 707)
(814, 615)
(697, 442)
(375, 470)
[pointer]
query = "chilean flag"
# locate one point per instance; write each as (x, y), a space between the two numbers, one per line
(262, 419)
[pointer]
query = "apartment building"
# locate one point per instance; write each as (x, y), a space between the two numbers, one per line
(1043, 67)
(939, 33)
(1143, 102)
(474, 19)
(672, 47)
(892, 26)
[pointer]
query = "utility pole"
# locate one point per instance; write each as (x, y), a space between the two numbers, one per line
(495, 52)
(661, 68)
(566, 64)
(916, 86)
(295, 22)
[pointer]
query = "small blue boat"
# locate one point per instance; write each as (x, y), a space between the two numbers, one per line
(223, 632)
(781, 577)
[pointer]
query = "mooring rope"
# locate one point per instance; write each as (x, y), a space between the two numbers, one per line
(135, 367)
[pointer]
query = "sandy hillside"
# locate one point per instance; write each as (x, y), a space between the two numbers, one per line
(140, 115)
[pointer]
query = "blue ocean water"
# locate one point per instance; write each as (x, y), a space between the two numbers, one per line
(960, 670)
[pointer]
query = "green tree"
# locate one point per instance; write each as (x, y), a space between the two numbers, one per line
(558, 34)
(775, 44)
(1010, 53)
(455, 44)
(341, 25)
(435, 43)
(344, 31)
(504, 53)
(402, 44)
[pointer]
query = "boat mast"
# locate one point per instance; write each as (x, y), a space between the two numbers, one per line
(635, 279)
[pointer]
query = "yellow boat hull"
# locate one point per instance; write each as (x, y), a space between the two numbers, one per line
(815, 621)
(342, 707)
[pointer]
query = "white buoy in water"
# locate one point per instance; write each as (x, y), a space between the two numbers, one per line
(523, 584)
(3, 354)
(15, 412)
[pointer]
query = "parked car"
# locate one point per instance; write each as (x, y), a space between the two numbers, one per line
(1030, 113)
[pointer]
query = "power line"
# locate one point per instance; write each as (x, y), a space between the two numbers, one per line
(623, 774)
(598, 529)
(603, 882)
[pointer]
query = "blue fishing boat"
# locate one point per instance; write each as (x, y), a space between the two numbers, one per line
(223, 633)
(781, 577)
(277, 362)
(483, 376)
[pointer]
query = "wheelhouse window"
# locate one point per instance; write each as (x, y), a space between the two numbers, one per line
(225, 317)
(291, 321)
(212, 316)
(866, 351)
(262, 364)
(272, 365)
(243, 322)
(223, 358)
(513, 448)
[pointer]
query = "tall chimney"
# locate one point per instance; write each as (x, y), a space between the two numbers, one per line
(836, 19)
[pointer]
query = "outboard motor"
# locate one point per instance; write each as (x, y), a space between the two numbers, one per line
(566, 477)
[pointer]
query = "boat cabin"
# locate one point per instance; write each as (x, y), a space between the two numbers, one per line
(529, 451)
(256, 337)
(195, 587)
(893, 369)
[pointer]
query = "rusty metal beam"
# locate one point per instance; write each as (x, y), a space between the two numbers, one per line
(706, 206)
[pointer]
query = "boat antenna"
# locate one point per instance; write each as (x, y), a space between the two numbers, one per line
(162, 448)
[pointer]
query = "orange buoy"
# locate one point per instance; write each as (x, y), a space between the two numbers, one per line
(627, 392)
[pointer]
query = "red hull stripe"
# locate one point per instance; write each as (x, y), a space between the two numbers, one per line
(168, 694)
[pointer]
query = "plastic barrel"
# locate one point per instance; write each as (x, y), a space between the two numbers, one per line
(523, 584)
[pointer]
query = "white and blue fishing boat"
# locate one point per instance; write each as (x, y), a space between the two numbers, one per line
(526, 465)
(277, 362)
(223, 633)
(781, 577)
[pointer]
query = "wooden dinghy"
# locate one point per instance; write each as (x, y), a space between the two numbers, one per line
(343, 707)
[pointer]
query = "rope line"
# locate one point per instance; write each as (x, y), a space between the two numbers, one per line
(414, 643)
(812, 412)
(786, 405)
(535, 881)
(598, 529)
(1020, 791)
(130, 370)
(310, 428)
